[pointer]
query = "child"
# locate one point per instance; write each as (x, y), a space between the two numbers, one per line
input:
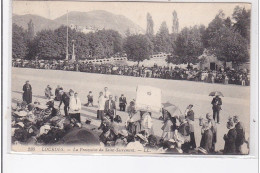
(90, 98)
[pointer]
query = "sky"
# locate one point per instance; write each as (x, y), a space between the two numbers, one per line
(189, 14)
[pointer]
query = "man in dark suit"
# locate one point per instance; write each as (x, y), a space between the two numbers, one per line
(65, 99)
(27, 92)
(122, 102)
(240, 138)
(216, 107)
(110, 108)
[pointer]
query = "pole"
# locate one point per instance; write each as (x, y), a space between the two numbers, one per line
(67, 46)
(73, 51)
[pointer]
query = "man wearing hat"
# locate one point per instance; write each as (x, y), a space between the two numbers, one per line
(110, 107)
(122, 103)
(189, 112)
(27, 92)
(57, 93)
(240, 139)
(230, 139)
(65, 99)
(216, 107)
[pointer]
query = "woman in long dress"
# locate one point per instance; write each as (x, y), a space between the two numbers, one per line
(207, 135)
(147, 123)
(167, 126)
(27, 92)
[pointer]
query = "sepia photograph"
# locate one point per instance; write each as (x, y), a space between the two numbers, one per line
(130, 78)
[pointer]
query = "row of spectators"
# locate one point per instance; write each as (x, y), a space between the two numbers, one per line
(227, 76)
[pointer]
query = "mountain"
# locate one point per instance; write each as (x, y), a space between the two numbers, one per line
(39, 22)
(98, 19)
(101, 19)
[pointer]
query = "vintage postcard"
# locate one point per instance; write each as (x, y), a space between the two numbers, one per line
(132, 78)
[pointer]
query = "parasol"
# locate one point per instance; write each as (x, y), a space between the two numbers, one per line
(216, 93)
(172, 109)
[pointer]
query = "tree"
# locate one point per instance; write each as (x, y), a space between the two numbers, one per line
(228, 45)
(217, 23)
(46, 46)
(188, 46)
(138, 48)
(105, 43)
(162, 41)
(149, 28)
(19, 46)
(175, 23)
(242, 22)
(228, 22)
(31, 32)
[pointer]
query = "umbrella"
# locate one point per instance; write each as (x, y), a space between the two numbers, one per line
(216, 93)
(172, 109)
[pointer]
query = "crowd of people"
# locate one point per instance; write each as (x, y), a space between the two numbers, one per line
(224, 76)
(33, 123)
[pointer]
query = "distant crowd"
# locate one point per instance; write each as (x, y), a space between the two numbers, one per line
(43, 124)
(224, 76)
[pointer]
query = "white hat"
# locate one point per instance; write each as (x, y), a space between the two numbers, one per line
(172, 140)
(21, 124)
(21, 113)
(123, 132)
(44, 129)
(142, 137)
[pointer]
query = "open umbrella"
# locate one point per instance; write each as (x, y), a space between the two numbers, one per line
(216, 93)
(172, 109)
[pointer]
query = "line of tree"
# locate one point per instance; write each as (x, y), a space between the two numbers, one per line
(226, 38)
(51, 44)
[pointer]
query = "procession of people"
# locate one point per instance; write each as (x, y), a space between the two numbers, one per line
(33, 123)
(221, 75)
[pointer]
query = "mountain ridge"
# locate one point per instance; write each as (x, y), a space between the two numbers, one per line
(100, 19)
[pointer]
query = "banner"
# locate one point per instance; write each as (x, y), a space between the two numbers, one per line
(148, 98)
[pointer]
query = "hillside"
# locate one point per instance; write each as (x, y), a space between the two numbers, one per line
(98, 19)
(101, 19)
(40, 23)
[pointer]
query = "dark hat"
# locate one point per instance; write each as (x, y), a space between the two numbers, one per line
(88, 121)
(23, 103)
(118, 119)
(230, 123)
(71, 90)
(30, 107)
(209, 116)
(152, 140)
(47, 111)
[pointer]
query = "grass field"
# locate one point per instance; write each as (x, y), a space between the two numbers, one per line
(180, 93)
